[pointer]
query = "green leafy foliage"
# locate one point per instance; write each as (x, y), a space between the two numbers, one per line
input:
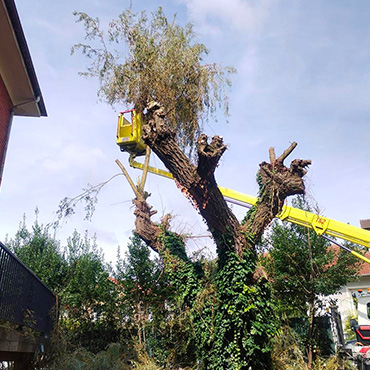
(178, 311)
(151, 309)
(89, 298)
(232, 319)
(78, 276)
(304, 269)
(350, 334)
(182, 273)
(301, 273)
(156, 60)
(38, 250)
(138, 279)
(244, 319)
(111, 358)
(287, 354)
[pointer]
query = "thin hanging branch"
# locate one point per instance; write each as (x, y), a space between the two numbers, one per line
(89, 195)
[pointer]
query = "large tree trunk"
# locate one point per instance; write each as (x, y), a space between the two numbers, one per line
(199, 185)
(241, 319)
(196, 182)
(311, 308)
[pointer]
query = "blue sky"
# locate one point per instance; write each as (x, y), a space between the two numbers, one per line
(303, 75)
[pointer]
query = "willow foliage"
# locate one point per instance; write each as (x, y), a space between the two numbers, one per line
(159, 60)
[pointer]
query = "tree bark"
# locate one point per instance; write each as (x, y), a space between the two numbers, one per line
(240, 313)
(311, 308)
(276, 183)
(198, 184)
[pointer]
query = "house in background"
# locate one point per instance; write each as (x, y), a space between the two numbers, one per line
(20, 289)
(20, 93)
(346, 305)
(345, 300)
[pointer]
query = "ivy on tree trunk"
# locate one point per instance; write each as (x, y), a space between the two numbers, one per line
(236, 320)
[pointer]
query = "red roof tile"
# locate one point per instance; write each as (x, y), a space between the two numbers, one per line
(365, 267)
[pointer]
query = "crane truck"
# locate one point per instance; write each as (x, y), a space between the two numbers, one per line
(358, 349)
(129, 140)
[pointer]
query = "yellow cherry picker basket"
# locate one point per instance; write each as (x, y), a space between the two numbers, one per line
(129, 132)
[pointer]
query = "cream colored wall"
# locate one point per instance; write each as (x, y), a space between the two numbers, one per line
(344, 298)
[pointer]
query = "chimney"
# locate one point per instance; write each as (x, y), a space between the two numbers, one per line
(365, 224)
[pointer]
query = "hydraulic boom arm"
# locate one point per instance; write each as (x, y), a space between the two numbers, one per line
(321, 225)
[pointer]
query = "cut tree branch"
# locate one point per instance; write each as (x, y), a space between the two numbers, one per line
(145, 168)
(128, 178)
(145, 228)
(272, 155)
(209, 155)
(276, 183)
(196, 182)
(286, 153)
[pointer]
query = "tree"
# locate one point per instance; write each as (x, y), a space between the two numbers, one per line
(138, 277)
(149, 308)
(234, 329)
(304, 269)
(88, 298)
(41, 252)
(78, 276)
(232, 313)
(162, 63)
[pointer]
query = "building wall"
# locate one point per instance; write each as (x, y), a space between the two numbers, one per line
(344, 298)
(5, 108)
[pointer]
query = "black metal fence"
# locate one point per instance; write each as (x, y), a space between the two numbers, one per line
(24, 298)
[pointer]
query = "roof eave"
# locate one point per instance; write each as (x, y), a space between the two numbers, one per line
(16, 68)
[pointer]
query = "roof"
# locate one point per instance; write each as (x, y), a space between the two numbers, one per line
(364, 268)
(365, 224)
(16, 67)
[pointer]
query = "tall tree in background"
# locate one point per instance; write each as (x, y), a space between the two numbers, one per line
(232, 313)
(149, 308)
(89, 297)
(304, 269)
(138, 277)
(41, 252)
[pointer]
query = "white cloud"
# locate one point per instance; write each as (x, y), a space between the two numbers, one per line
(241, 14)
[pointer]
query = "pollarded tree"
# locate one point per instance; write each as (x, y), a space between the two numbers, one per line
(231, 309)
(236, 319)
(163, 63)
